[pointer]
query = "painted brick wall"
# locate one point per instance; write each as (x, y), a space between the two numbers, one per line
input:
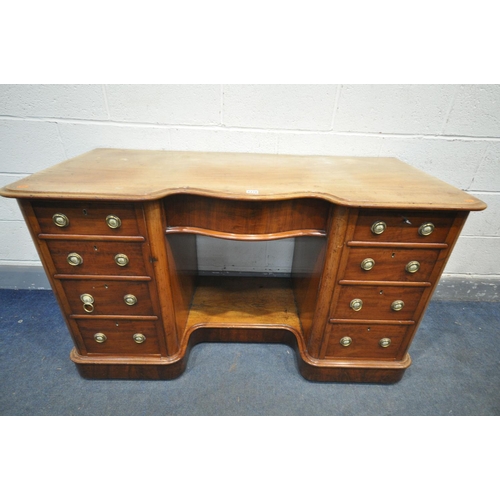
(449, 131)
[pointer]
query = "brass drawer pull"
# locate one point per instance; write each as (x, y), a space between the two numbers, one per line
(121, 259)
(100, 338)
(385, 342)
(367, 264)
(413, 266)
(378, 227)
(130, 299)
(345, 341)
(88, 302)
(139, 338)
(60, 220)
(426, 229)
(113, 221)
(74, 259)
(397, 305)
(356, 304)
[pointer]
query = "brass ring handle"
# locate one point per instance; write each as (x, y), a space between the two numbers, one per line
(88, 302)
(378, 227)
(397, 305)
(356, 304)
(367, 264)
(426, 229)
(121, 259)
(113, 221)
(139, 338)
(345, 341)
(60, 220)
(100, 338)
(88, 308)
(130, 299)
(413, 266)
(385, 342)
(74, 259)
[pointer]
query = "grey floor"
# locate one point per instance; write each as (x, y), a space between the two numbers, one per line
(455, 371)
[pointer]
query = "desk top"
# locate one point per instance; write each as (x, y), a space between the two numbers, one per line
(122, 174)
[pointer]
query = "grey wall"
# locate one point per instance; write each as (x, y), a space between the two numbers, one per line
(449, 131)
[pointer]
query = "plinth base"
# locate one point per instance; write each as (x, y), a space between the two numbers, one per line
(355, 371)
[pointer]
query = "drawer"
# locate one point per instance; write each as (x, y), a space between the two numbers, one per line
(398, 227)
(377, 302)
(108, 297)
(390, 264)
(87, 218)
(364, 341)
(246, 217)
(97, 257)
(120, 337)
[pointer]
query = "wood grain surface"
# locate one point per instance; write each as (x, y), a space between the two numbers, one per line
(365, 341)
(124, 174)
(87, 218)
(230, 301)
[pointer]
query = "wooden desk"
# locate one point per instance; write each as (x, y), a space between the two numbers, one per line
(116, 233)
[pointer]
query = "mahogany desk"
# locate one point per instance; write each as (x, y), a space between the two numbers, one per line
(116, 233)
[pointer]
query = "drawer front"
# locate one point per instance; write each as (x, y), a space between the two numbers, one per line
(108, 297)
(97, 257)
(119, 337)
(390, 264)
(87, 218)
(398, 229)
(377, 302)
(246, 217)
(364, 341)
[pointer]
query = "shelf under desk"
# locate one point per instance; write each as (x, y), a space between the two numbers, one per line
(255, 302)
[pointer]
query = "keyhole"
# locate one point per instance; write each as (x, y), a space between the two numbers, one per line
(84, 212)
(95, 248)
(381, 292)
(393, 255)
